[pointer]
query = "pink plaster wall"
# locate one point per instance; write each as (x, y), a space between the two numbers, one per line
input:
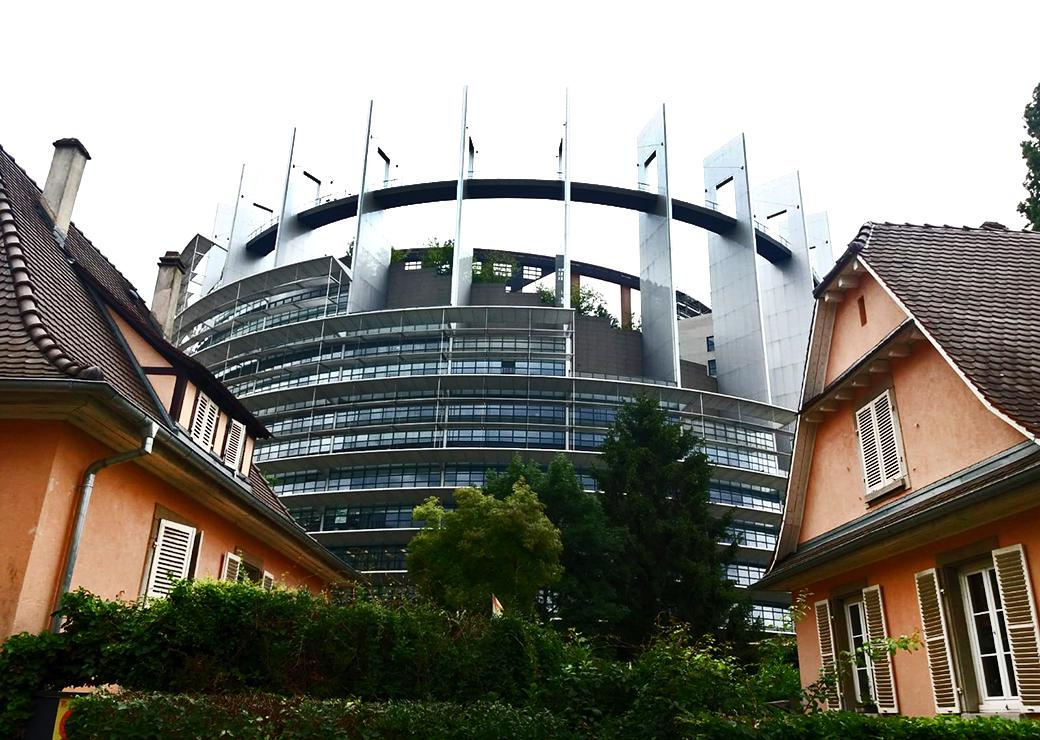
(850, 340)
(945, 429)
(898, 588)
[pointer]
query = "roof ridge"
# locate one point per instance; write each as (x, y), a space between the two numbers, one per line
(28, 307)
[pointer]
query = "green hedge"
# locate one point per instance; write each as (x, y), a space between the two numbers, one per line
(851, 726)
(259, 716)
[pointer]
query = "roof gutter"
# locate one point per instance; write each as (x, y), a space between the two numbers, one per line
(86, 488)
(183, 450)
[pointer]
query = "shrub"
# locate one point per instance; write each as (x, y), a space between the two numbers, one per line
(262, 716)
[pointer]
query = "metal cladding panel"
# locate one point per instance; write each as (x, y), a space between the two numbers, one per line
(371, 261)
(786, 289)
(656, 285)
(462, 256)
(295, 241)
(240, 261)
(821, 252)
(740, 349)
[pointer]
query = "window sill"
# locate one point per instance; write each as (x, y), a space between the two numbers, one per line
(896, 486)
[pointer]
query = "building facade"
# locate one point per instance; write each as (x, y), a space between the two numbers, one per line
(912, 506)
(387, 376)
(126, 465)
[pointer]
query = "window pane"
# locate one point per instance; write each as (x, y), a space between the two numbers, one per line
(984, 630)
(991, 676)
(977, 592)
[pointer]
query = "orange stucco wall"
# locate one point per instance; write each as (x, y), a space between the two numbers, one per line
(850, 339)
(896, 578)
(143, 350)
(42, 465)
(945, 428)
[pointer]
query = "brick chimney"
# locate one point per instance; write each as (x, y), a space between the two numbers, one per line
(59, 194)
(167, 291)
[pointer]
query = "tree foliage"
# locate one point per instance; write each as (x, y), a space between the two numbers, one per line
(584, 598)
(654, 484)
(1030, 207)
(506, 547)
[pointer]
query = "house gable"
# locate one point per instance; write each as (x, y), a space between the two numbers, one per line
(864, 316)
(944, 428)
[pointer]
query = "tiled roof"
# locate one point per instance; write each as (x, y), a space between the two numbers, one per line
(975, 291)
(53, 327)
(70, 316)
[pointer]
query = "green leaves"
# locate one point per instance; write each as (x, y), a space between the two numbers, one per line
(1030, 207)
(654, 483)
(506, 547)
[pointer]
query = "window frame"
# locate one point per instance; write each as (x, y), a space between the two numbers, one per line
(870, 699)
(1008, 702)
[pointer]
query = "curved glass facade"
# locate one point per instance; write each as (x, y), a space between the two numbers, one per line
(373, 412)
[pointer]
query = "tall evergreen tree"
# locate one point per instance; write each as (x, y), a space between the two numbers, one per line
(1030, 207)
(584, 598)
(654, 484)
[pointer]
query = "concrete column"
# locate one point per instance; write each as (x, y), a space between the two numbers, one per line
(626, 307)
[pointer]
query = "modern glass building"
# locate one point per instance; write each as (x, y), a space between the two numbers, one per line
(389, 376)
(374, 411)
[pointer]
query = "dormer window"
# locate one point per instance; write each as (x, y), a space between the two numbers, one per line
(204, 421)
(880, 446)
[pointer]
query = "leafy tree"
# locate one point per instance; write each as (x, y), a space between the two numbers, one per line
(584, 598)
(506, 547)
(589, 302)
(1030, 207)
(654, 484)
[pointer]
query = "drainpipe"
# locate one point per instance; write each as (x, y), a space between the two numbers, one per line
(86, 488)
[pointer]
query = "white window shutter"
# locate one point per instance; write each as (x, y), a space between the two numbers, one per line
(268, 581)
(828, 654)
(868, 447)
(877, 630)
(880, 444)
(1016, 594)
(170, 559)
(890, 448)
(236, 443)
(232, 567)
(204, 422)
(936, 643)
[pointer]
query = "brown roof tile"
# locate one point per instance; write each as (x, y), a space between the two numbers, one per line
(73, 336)
(975, 291)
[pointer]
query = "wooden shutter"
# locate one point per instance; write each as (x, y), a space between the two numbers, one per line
(236, 441)
(828, 654)
(170, 559)
(868, 447)
(880, 446)
(204, 422)
(268, 581)
(1016, 594)
(936, 643)
(884, 681)
(232, 567)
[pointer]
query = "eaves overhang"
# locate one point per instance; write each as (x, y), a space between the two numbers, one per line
(72, 398)
(1002, 473)
(897, 343)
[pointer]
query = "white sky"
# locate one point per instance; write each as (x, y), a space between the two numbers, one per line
(906, 111)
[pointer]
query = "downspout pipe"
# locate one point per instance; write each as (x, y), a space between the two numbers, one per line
(86, 488)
